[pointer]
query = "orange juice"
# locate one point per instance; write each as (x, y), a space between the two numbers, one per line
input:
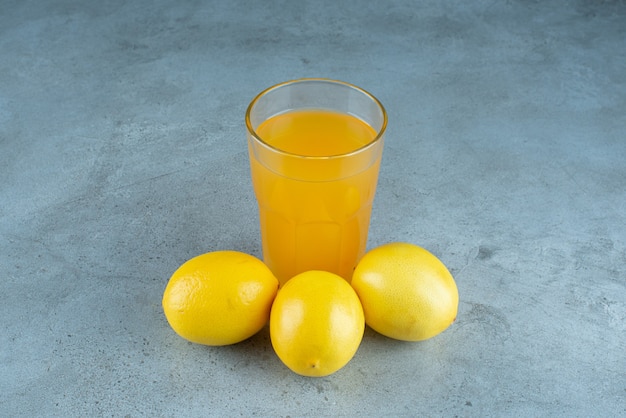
(314, 174)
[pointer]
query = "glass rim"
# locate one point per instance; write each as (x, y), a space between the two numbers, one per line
(379, 132)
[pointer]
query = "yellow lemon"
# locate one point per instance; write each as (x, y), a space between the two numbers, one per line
(219, 298)
(316, 323)
(407, 293)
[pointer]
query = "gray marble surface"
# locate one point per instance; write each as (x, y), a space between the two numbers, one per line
(123, 154)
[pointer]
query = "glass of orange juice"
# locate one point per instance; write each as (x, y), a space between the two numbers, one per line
(315, 148)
